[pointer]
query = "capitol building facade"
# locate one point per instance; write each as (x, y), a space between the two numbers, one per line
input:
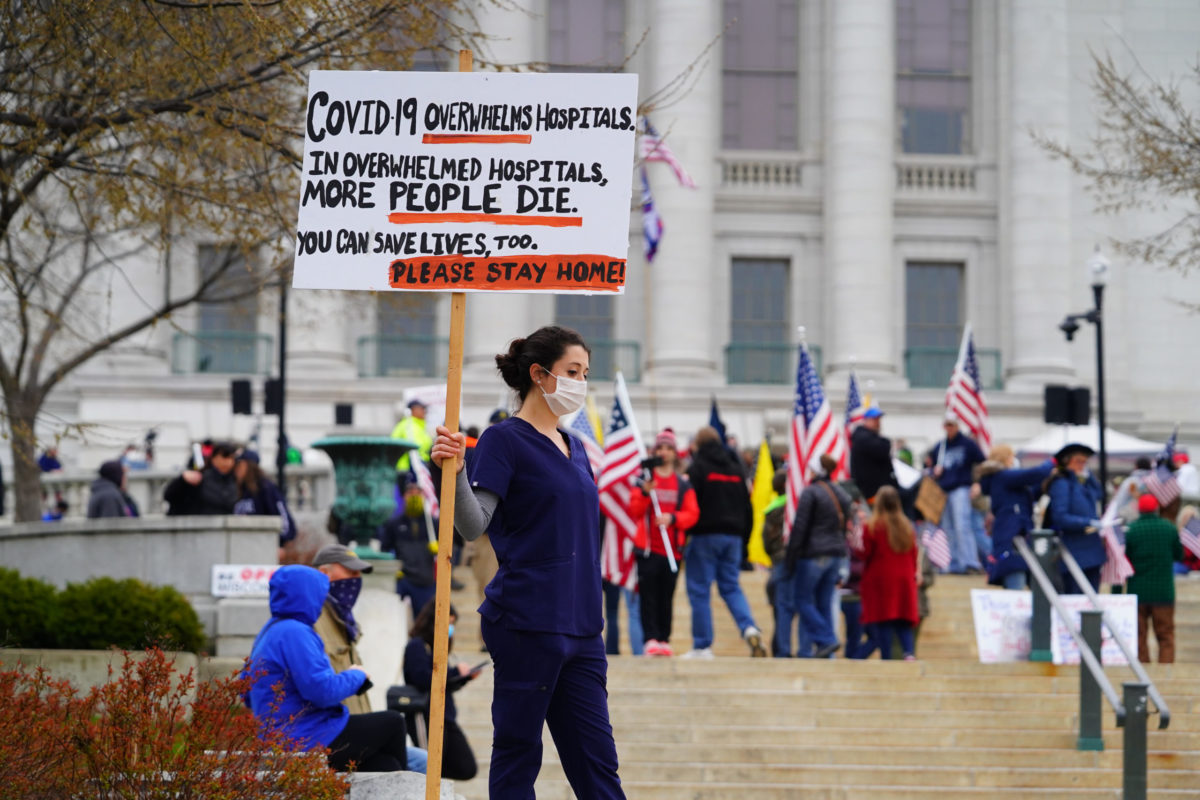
(867, 170)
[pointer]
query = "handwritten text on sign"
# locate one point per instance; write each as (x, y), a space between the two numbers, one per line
(466, 182)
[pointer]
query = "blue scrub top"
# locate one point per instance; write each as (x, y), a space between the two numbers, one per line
(545, 531)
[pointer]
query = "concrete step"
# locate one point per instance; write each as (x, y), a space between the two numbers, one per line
(659, 790)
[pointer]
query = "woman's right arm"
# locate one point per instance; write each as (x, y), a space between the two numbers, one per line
(472, 510)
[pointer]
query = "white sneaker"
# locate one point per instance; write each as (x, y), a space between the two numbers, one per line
(702, 654)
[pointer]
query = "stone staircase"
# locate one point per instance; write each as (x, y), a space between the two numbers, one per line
(944, 726)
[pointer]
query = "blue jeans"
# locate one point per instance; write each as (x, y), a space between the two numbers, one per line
(1015, 581)
(612, 624)
(786, 616)
(816, 585)
(983, 542)
(709, 557)
(956, 522)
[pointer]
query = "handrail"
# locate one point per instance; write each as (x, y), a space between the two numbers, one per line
(1085, 652)
(1164, 713)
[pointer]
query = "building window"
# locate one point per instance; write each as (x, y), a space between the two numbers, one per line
(226, 338)
(761, 348)
(933, 321)
(586, 35)
(760, 75)
(933, 75)
(407, 343)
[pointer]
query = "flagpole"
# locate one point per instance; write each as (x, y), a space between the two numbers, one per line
(641, 448)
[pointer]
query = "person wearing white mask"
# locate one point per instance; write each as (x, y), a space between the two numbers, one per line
(532, 489)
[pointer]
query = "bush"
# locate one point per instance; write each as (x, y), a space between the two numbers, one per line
(128, 614)
(148, 733)
(28, 607)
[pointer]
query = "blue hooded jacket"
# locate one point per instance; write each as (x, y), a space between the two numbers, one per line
(288, 654)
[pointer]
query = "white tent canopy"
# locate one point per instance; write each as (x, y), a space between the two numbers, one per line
(1119, 446)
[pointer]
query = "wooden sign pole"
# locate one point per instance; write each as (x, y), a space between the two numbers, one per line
(441, 628)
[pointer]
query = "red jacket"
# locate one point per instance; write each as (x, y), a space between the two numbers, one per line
(684, 514)
(889, 579)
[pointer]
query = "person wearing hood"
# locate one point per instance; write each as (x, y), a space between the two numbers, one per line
(714, 547)
(1013, 492)
(108, 493)
(294, 689)
(212, 490)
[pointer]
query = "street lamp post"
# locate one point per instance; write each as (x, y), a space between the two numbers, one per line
(1098, 270)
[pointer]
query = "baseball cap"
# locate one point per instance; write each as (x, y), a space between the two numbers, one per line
(873, 412)
(341, 554)
(417, 402)
(1147, 503)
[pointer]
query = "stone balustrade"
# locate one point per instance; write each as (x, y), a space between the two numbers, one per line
(751, 170)
(308, 489)
(932, 174)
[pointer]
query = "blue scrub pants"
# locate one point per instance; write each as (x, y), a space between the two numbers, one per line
(561, 681)
(709, 557)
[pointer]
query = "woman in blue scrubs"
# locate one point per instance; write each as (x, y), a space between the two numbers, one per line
(532, 490)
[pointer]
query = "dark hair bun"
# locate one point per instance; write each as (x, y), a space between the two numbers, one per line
(508, 364)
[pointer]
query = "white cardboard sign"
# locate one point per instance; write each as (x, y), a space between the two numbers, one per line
(466, 181)
(242, 580)
(1003, 621)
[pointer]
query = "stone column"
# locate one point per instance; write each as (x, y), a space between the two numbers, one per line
(515, 31)
(683, 342)
(317, 342)
(1036, 210)
(864, 325)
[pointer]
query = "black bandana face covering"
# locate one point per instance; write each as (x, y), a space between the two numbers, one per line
(344, 594)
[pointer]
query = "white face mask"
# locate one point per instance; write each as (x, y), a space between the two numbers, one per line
(568, 397)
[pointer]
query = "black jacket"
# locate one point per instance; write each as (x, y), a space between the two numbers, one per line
(871, 461)
(720, 485)
(215, 495)
(408, 538)
(817, 529)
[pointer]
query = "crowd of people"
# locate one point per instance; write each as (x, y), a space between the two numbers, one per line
(850, 539)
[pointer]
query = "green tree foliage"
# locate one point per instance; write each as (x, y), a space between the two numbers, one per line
(126, 127)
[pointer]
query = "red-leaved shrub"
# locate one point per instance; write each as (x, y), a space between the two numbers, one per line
(149, 732)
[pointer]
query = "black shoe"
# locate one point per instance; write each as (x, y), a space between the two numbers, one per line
(827, 650)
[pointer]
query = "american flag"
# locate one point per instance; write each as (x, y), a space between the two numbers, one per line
(652, 226)
(964, 396)
(855, 408)
(1116, 569)
(935, 543)
(1160, 481)
(425, 482)
(1189, 535)
(623, 454)
(581, 428)
(654, 148)
(813, 432)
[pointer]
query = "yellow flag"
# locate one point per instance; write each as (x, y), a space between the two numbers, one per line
(594, 417)
(761, 497)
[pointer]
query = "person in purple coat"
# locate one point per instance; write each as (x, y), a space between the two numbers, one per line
(1013, 493)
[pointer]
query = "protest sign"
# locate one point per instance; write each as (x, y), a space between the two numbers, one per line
(1002, 625)
(466, 181)
(1003, 619)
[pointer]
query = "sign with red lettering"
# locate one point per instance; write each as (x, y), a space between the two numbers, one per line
(466, 181)
(242, 580)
